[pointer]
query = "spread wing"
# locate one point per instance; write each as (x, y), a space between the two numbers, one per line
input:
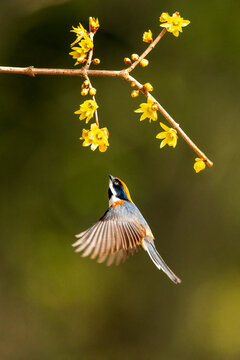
(112, 238)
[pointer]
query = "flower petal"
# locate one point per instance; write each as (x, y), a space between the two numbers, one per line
(161, 135)
(94, 147)
(143, 117)
(165, 127)
(163, 143)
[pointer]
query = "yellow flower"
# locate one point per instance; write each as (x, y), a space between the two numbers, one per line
(86, 44)
(79, 54)
(199, 165)
(94, 24)
(85, 137)
(174, 23)
(147, 36)
(148, 87)
(148, 109)
(96, 138)
(80, 33)
(169, 136)
(87, 110)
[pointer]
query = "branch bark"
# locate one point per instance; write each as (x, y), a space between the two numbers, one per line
(32, 71)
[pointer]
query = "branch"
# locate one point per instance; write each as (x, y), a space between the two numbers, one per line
(123, 74)
(32, 71)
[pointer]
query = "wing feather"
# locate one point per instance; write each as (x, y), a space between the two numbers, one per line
(82, 243)
(121, 236)
(110, 259)
(134, 236)
(111, 239)
(91, 242)
(101, 259)
(98, 242)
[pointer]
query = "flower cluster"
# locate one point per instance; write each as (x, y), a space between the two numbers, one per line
(96, 137)
(174, 23)
(82, 50)
(83, 40)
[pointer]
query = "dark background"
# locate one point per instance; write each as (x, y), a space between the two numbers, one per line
(53, 303)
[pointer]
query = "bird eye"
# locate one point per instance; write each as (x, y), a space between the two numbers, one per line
(116, 183)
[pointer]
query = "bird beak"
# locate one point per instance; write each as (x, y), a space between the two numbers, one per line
(111, 177)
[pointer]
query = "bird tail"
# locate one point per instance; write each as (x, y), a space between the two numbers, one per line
(149, 246)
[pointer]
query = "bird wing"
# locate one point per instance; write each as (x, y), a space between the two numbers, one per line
(113, 238)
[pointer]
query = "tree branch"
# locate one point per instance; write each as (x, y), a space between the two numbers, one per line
(123, 74)
(32, 71)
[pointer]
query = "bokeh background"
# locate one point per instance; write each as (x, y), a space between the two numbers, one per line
(55, 304)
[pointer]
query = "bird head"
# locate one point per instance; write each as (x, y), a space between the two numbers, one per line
(117, 190)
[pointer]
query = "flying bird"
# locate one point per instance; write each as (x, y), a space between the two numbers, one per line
(120, 232)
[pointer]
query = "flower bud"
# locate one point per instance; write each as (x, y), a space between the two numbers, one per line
(96, 61)
(147, 37)
(144, 62)
(133, 84)
(84, 92)
(92, 91)
(85, 84)
(134, 57)
(147, 87)
(134, 93)
(155, 107)
(94, 24)
(127, 61)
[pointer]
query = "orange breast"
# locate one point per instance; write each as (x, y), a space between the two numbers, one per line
(116, 203)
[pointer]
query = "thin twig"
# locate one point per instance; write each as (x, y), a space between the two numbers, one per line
(86, 68)
(90, 54)
(139, 86)
(147, 51)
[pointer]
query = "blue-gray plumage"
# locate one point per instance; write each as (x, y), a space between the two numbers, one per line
(120, 232)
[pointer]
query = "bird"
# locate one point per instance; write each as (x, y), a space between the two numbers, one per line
(120, 232)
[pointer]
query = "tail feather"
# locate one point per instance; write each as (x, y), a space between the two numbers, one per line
(149, 246)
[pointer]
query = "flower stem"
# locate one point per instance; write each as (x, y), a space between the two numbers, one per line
(173, 123)
(86, 68)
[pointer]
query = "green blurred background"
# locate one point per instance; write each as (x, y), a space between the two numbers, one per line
(55, 304)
